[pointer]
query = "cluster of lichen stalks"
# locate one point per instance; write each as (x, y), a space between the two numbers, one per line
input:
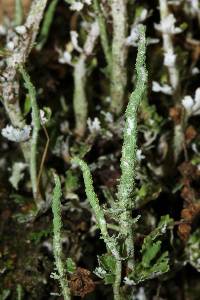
(122, 207)
(120, 246)
(125, 201)
(115, 53)
(23, 41)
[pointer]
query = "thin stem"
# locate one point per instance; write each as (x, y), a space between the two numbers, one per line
(103, 32)
(174, 78)
(19, 14)
(119, 54)
(113, 227)
(43, 157)
(19, 292)
(116, 285)
(128, 160)
(46, 25)
(80, 103)
(57, 243)
(98, 211)
(168, 47)
(36, 128)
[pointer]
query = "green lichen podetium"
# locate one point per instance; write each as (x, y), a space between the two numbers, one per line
(110, 241)
(57, 243)
(46, 25)
(103, 32)
(128, 159)
(19, 14)
(119, 55)
(94, 202)
(125, 202)
(35, 134)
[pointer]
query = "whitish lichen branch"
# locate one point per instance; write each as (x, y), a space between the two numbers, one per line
(57, 242)
(21, 47)
(129, 149)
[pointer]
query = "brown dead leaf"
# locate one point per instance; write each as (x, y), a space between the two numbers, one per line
(190, 134)
(187, 170)
(188, 215)
(81, 282)
(184, 231)
(188, 194)
(175, 114)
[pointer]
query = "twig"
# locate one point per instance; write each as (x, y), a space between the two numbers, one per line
(43, 158)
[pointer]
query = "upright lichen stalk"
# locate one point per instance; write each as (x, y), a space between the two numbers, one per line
(9, 82)
(125, 202)
(18, 12)
(110, 242)
(57, 242)
(46, 24)
(103, 32)
(128, 160)
(80, 103)
(98, 211)
(119, 54)
(35, 134)
(174, 78)
(168, 47)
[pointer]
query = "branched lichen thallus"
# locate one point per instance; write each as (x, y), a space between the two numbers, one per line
(122, 208)
(126, 201)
